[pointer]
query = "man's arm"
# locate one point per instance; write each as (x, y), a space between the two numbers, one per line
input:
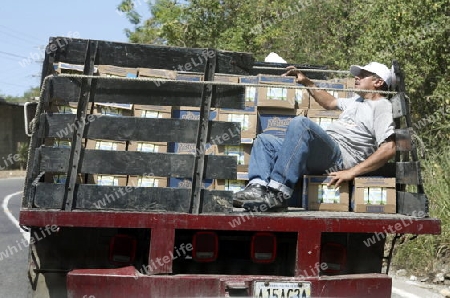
(385, 152)
(323, 98)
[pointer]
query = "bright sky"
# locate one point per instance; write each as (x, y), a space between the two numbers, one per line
(25, 28)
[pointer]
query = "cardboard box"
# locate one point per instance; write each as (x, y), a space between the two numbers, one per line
(275, 121)
(242, 153)
(108, 180)
(328, 84)
(63, 143)
(226, 78)
(317, 196)
(250, 92)
(189, 77)
(324, 117)
(302, 99)
(349, 83)
(116, 71)
(147, 181)
(234, 185)
(157, 73)
(187, 183)
(68, 68)
(192, 113)
(189, 148)
(248, 119)
(114, 109)
(150, 111)
(276, 97)
(157, 147)
(105, 145)
(374, 195)
(230, 185)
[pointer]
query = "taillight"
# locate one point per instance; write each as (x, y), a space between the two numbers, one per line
(122, 249)
(263, 247)
(334, 255)
(205, 246)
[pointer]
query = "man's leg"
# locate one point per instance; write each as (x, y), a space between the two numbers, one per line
(306, 149)
(262, 158)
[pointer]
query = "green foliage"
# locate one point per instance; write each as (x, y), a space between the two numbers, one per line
(27, 96)
(22, 151)
(424, 252)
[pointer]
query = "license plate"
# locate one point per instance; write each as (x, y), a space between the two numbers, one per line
(282, 289)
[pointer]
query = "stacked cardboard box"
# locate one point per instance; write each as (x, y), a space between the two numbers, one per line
(157, 73)
(275, 121)
(247, 118)
(318, 196)
(147, 181)
(251, 99)
(324, 117)
(233, 185)
(374, 195)
(369, 195)
(116, 71)
(276, 97)
(241, 152)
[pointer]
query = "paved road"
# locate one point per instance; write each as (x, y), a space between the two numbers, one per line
(13, 254)
(13, 267)
(403, 288)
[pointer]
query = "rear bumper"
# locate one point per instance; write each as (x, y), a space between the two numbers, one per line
(127, 282)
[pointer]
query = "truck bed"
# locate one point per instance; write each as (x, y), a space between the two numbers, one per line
(294, 220)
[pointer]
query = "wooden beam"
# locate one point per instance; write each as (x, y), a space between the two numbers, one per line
(71, 50)
(141, 129)
(74, 159)
(56, 160)
(98, 197)
(408, 173)
(136, 91)
(403, 139)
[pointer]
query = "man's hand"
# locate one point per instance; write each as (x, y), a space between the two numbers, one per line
(301, 78)
(385, 152)
(341, 176)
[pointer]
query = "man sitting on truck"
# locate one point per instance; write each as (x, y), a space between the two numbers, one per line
(360, 141)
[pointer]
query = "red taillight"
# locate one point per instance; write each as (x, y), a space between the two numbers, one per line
(334, 255)
(205, 246)
(263, 247)
(122, 249)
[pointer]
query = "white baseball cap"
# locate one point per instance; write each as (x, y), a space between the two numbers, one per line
(379, 69)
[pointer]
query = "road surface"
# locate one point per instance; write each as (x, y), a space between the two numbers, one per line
(13, 254)
(13, 259)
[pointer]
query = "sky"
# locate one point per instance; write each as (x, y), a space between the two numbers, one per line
(27, 25)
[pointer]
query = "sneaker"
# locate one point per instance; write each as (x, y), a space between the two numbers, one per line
(272, 201)
(251, 192)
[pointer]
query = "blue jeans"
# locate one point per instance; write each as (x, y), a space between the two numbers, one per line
(306, 149)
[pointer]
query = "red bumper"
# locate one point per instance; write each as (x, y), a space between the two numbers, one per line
(127, 282)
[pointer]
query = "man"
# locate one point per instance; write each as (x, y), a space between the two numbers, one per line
(360, 141)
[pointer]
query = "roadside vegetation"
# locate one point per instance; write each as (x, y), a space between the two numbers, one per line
(428, 253)
(27, 96)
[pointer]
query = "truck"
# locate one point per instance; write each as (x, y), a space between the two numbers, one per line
(101, 226)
